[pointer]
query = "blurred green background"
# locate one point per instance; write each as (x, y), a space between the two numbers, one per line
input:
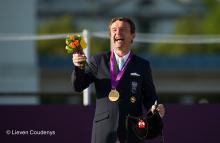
(183, 73)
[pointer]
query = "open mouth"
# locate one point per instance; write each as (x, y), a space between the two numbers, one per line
(119, 39)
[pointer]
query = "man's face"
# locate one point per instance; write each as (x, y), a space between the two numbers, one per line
(120, 35)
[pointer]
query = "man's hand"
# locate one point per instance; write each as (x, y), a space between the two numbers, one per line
(79, 60)
(159, 108)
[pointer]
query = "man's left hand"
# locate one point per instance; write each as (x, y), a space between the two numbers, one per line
(159, 108)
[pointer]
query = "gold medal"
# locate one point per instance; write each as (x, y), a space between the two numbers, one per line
(113, 95)
(133, 99)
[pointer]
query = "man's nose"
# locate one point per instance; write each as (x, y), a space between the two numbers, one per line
(119, 31)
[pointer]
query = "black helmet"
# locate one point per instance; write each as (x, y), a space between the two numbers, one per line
(145, 127)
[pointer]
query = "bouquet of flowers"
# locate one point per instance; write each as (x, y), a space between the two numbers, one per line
(75, 43)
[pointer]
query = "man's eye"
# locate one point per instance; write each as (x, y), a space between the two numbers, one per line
(124, 29)
(114, 29)
(120, 29)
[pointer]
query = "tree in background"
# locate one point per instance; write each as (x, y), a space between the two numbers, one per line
(99, 45)
(64, 24)
(194, 23)
(210, 24)
(59, 25)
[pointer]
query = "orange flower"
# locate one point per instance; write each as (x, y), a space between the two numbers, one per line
(72, 45)
(72, 37)
(76, 42)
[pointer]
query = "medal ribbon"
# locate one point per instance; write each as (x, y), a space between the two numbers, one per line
(115, 78)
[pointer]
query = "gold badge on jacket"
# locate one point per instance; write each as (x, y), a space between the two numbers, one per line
(113, 95)
(133, 99)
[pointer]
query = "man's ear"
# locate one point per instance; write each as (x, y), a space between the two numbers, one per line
(133, 36)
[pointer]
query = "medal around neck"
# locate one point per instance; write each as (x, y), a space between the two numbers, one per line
(113, 95)
(115, 78)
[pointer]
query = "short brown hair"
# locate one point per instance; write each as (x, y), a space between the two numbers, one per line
(125, 19)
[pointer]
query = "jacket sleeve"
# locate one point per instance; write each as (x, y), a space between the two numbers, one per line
(148, 90)
(81, 78)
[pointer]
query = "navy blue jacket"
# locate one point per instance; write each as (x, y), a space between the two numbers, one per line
(136, 83)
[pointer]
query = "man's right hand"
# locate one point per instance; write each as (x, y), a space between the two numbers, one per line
(79, 60)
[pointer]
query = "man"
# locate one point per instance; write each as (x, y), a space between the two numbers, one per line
(123, 83)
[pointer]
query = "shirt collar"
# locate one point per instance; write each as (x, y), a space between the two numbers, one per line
(125, 57)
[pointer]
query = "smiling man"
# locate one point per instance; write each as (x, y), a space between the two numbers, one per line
(122, 34)
(123, 84)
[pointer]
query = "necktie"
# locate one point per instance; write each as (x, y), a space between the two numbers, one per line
(120, 63)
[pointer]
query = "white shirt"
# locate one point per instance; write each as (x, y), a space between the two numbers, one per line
(121, 60)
